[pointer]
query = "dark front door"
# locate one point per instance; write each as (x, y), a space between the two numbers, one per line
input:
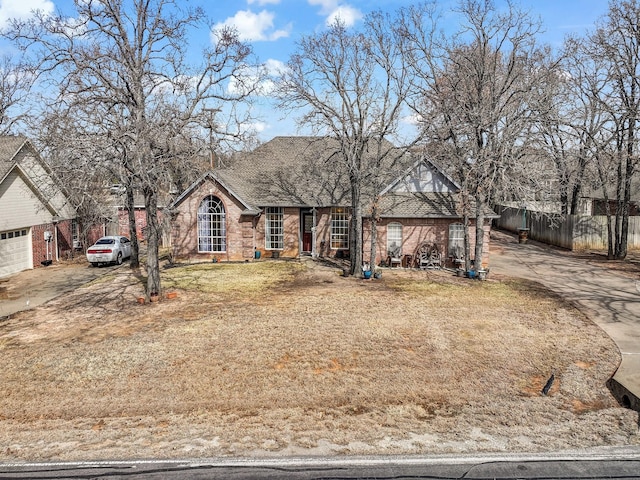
(307, 236)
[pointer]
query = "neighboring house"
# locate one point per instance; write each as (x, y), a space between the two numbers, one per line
(119, 225)
(289, 198)
(36, 220)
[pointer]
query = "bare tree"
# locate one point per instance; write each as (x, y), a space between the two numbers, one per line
(614, 48)
(15, 84)
(351, 86)
(126, 61)
(472, 92)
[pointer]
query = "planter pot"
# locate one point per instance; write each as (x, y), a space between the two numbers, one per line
(471, 274)
(275, 254)
(377, 275)
(141, 300)
(460, 272)
(345, 272)
(366, 274)
(523, 235)
(154, 297)
(482, 274)
(171, 295)
(257, 254)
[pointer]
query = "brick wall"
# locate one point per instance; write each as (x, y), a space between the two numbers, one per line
(91, 234)
(141, 222)
(291, 220)
(39, 245)
(64, 236)
(184, 231)
(416, 231)
(246, 232)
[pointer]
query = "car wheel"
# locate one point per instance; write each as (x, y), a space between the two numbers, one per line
(119, 259)
(95, 264)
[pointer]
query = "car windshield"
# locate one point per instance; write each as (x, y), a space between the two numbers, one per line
(106, 241)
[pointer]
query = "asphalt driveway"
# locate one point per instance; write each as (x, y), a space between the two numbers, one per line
(31, 288)
(609, 298)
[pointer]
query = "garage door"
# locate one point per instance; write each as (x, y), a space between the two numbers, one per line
(15, 251)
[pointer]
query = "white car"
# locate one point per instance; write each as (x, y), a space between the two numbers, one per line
(112, 249)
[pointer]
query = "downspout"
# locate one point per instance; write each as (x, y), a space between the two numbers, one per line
(55, 220)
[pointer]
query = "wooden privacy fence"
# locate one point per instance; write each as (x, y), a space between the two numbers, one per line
(574, 232)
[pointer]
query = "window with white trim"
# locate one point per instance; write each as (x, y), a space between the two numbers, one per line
(212, 226)
(339, 228)
(394, 239)
(274, 228)
(456, 240)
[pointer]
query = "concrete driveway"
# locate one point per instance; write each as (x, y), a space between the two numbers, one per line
(32, 288)
(609, 298)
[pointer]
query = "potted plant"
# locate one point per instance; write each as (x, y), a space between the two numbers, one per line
(366, 271)
(377, 273)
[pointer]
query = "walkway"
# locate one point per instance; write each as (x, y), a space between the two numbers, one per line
(31, 288)
(610, 299)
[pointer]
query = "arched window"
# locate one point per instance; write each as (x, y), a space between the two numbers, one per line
(212, 227)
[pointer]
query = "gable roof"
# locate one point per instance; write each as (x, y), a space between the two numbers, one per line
(411, 180)
(18, 154)
(10, 145)
(303, 172)
(215, 177)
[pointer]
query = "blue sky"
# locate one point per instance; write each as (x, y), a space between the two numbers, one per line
(274, 26)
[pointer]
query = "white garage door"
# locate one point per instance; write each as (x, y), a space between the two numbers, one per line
(15, 251)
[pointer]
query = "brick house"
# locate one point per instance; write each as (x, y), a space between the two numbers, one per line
(36, 220)
(287, 198)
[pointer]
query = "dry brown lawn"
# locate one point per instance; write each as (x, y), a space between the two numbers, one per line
(279, 357)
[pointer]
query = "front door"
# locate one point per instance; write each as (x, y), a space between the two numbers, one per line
(307, 236)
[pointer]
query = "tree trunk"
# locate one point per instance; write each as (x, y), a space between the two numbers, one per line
(133, 231)
(628, 175)
(479, 248)
(355, 230)
(374, 237)
(577, 184)
(467, 243)
(153, 241)
(607, 211)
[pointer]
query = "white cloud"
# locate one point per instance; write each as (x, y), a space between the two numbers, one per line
(263, 2)
(255, 26)
(259, 127)
(23, 9)
(348, 15)
(334, 10)
(275, 67)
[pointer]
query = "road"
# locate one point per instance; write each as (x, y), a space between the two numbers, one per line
(615, 463)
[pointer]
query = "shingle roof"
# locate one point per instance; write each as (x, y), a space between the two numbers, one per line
(302, 172)
(295, 171)
(9, 146)
(418, 205)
